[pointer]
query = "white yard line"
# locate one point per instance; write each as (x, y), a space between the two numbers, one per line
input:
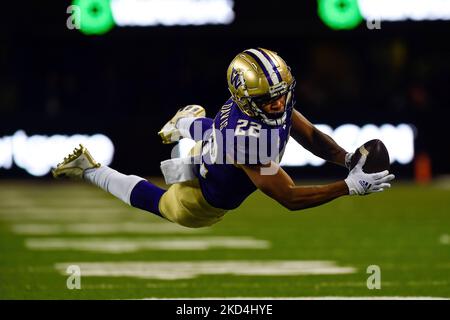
(63, 211)
(42, 193)
(190, 269)
(58, 203)
(121, 245)
(101, 228)
(444, 239)
(307, 298)
(65, 214)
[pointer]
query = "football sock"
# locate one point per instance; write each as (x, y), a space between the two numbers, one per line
(133, 190)
(112, 181)
(146, 196)
(194, 127)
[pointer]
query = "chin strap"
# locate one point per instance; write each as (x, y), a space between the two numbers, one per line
(271, 122)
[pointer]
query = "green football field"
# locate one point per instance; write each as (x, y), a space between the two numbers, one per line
(50, 232)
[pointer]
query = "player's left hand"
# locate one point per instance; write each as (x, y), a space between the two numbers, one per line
(348, 160)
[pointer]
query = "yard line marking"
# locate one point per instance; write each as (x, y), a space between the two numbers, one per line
(122, 245)
(66, 211)
(444, 239)
(306, 298)
(65, 214)
(102, 228)
(60, 203)
(50, 194)
(177, 270)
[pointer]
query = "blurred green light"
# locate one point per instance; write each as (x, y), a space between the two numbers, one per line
(95, 16)
(340, 14)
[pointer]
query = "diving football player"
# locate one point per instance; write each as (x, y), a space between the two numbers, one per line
(236, 153)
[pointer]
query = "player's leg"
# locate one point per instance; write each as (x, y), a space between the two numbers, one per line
(184, 204)
(131, 189)
(188, 122)
(194, 128)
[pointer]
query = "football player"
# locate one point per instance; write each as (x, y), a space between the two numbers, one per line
(231, 158)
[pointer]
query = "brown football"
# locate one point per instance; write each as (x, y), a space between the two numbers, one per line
(377, 157)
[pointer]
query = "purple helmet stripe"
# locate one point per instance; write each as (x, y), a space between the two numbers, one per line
(261, 64)
(271, 62)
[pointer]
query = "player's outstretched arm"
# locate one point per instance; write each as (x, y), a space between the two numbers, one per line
(280, 186)
(314, 140)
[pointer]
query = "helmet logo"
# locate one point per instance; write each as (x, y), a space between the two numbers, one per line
(235, 79)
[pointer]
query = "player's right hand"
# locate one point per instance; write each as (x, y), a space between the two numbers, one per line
(361, 183)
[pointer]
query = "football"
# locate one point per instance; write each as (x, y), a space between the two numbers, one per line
(377, 156)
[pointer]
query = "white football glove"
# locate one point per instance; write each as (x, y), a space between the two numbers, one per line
(361, 183)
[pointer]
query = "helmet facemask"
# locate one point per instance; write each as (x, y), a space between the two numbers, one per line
(254, 105)
(272, 119)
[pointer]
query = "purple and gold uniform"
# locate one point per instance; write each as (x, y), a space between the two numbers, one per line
(240, 134)
(234, 139)
(225, 185)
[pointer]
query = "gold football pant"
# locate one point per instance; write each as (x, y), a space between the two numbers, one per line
(184, 203)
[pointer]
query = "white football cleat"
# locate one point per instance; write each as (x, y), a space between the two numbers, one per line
(74, 165)
(170, 133)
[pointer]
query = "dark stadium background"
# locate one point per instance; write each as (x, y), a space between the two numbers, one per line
(128, 82)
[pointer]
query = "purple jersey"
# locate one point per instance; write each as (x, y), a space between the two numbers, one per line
(237, 138)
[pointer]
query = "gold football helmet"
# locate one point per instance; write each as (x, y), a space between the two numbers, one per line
(258, 76)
